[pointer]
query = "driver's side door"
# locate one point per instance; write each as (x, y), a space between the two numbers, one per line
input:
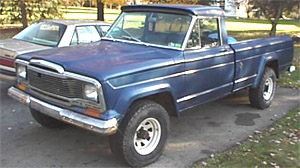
(209, 63)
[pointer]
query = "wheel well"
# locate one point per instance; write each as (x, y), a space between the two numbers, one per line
(274, 65)
(164, 99)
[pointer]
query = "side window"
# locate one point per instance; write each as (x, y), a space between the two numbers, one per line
(85, 34)
(194, 39)
(74, 40)
(210, 34)
(205, 34)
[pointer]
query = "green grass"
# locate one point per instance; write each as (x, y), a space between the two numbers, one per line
(281, 22)
(284, 27)
(292, 80)
(264, 149)
(110, 15)
(8, 33)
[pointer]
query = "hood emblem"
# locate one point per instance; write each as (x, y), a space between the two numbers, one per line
(47, 65)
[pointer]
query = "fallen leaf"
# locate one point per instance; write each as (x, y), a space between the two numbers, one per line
(291, 135)
(272, 154)
(277, 142)
(292, 143)
(204, 163)
(257, 132)
(291, 158)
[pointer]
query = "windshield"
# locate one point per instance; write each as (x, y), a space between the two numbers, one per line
(43, 33)
(154, 28)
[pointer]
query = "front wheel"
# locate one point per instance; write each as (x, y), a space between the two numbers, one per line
(262, 96)
(142, 134)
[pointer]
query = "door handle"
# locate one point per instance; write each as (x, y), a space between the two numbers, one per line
(223, 50)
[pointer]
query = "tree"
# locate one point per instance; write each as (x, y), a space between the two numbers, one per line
(114, 2)
(23, 14)
(100, 9)
(24, 11)
(273, 9)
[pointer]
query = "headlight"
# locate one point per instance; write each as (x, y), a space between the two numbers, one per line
(21, 71)
(91, 92)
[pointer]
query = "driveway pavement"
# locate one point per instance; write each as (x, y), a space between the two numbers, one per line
(199, 132)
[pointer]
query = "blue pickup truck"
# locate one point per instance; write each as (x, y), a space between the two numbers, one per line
(155, 61)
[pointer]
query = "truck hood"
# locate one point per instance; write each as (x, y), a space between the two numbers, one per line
(107, 59)
(10, 48)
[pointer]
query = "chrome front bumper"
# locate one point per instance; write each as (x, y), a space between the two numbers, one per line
(100, 126)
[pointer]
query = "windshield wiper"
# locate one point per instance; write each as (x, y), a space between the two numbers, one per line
(132, 38)
(110, 36)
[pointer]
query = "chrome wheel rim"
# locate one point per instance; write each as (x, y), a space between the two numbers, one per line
(147, 136)
(268, 89)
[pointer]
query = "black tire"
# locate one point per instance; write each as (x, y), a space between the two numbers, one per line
(46, 121)
(123, 142)
(256, 95)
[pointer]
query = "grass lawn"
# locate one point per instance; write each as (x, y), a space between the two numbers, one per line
(281, 22)
(292, 80)
(278, 145)
(8, 33)
(110, 15)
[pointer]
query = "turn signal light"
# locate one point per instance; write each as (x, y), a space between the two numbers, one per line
(22, 87)
(93, 112)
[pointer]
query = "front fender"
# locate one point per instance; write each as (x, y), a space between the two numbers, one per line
(262, 64)
(129, 95)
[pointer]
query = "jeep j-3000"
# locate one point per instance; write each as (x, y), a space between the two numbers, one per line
(155, 61)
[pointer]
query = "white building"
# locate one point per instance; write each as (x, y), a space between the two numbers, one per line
(234, 8)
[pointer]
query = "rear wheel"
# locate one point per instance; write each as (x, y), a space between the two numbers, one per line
(45, 120)
(262, 96)
(142, 134)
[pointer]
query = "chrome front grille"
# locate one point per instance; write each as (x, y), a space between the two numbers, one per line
(65, 87)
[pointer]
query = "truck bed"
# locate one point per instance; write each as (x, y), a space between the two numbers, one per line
(250, 53)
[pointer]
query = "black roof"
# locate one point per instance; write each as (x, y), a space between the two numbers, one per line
(180, 9)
